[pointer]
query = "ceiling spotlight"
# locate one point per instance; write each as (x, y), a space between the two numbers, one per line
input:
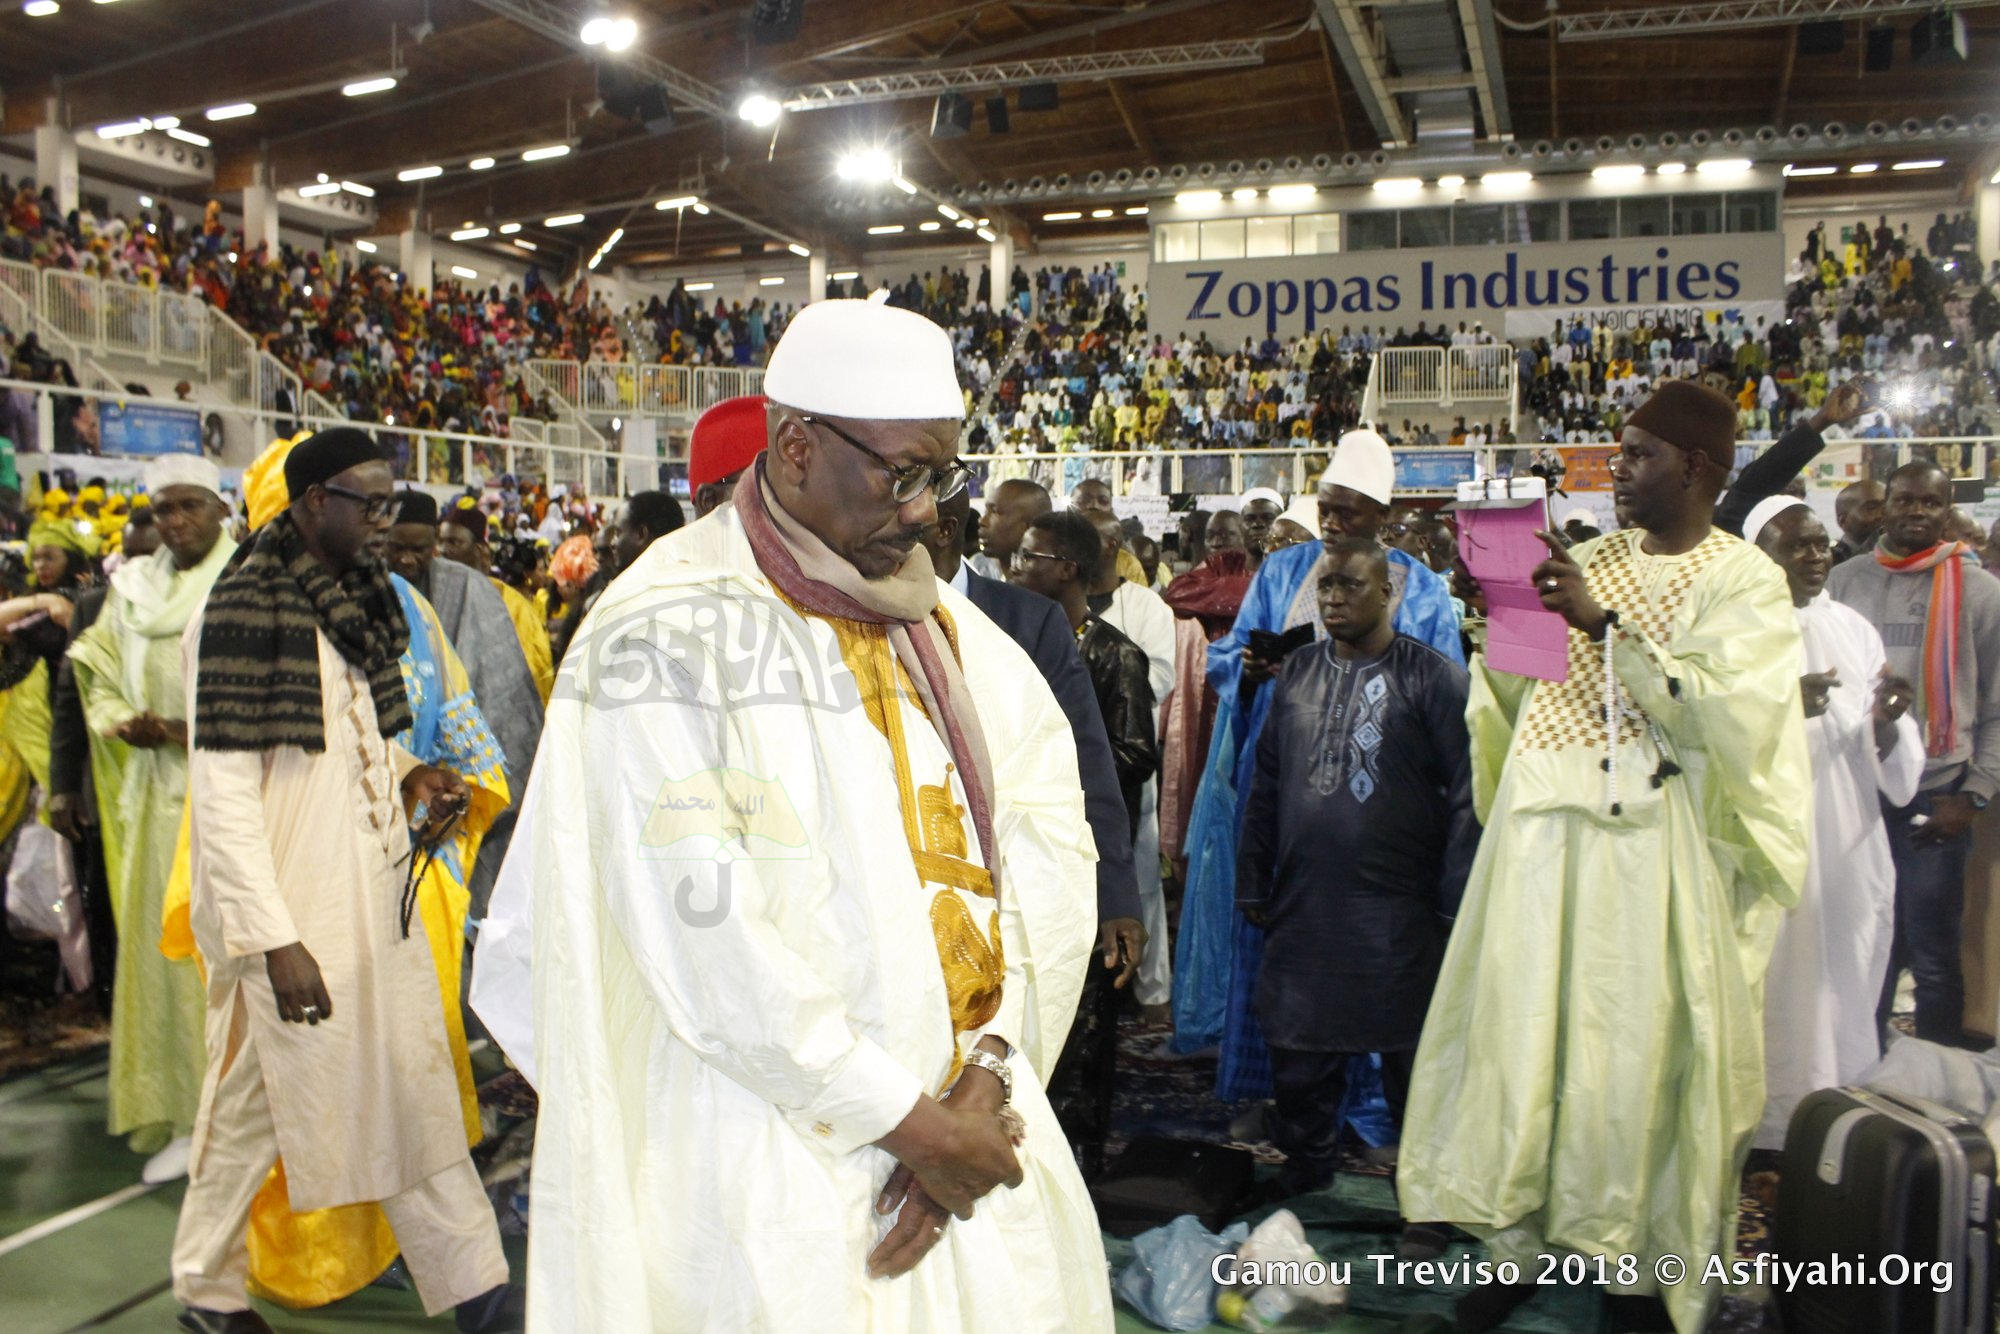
(802, 252)
(887, 229)
(545, 152)
(460, 271)
(866, 164)
(232, 111)
(1724, 166)
(1917, 164)
(509, 228)
(419, 173)
(189, 137)
(315, 191)
(357, 188)
(613, 34)
(562, 220)
(1623, 171)
(1060, 217)
(145, 201)
(1198, 198)
(760, 109)
(365, 247)
(469, 234)
(1398, 185)
(479, 164)
(40, 9)
(367, 86)
(1672, 169)
(678, 201)
(1243, 194)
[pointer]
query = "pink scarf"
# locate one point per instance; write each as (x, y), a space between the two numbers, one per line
(810, 574)
(1940, 636)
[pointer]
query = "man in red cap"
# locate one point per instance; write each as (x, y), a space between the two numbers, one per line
(726, 440)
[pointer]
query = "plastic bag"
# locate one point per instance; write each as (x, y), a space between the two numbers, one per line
(43, 902)
(1303, 1304)
(1171, 1280)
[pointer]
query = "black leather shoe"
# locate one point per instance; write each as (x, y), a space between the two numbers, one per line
(223, 1322)
(501, 1310)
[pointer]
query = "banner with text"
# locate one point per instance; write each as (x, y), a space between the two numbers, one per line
(1681, 276)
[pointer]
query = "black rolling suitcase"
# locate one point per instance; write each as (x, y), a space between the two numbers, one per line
(1872, 1185)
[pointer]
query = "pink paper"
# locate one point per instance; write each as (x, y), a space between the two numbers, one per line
(1501, 551)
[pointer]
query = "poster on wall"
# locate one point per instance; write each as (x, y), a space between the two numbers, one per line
(1231, 300)
(147, 428)
(1433, 470)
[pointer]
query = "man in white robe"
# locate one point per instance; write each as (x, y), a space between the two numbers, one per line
(1826, 969)
(784, 919)
(1144, 617)
(326, 1046)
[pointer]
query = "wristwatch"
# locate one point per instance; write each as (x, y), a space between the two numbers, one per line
(996, 1067)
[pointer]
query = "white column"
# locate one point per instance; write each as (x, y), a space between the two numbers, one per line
(1001, 262)
(55, 161)
(1986, 214)
(415, 245)
(260, 217)
(815, 278)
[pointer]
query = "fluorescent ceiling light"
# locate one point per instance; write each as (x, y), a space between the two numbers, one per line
(1672, 169)
(1917, 164)
(1100, 213)
(617, 235)
(419, 173)
(1792, 169)
(124, 129)
(802, 252)
(509, 228)
(1061, 217)
(986, 234)
(771, 282)
(1444, 183)
(545, 152)
(701, 287)
(40, 9)
(907, 187)
(365, 247)
(678, 201)
(189, 137)
(231, 111)
(845, 275)
(1623, 171)
(1198, 198)
(930, 226)
(1289, 194)
(1723, 166)
(145, 201)
(701, 209)
(1398, 185)
(367, 86)
(967, 223)
(357, 188)
(1137, 211)
(315, 191)
(865, 164)
(760, 109)
(165, 122)
(887, 229)
(459, 270)
(1506, 180)
(479, 164)
(562, 220)
(1864, 168)
(469, 234)
(950, 212)
(1243, 195)
(525, 245)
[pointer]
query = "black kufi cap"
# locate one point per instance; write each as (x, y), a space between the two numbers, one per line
(325, 455)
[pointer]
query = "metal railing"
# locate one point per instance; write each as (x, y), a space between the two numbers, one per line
(1409, 375)
(677, 394)
(1441, 376)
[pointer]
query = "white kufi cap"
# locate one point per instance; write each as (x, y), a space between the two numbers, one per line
(1765, 510)
(1362, 462)
(182, 470)
(866, 361)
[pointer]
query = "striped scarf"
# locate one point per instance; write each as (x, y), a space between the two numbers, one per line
(1940, 637)
(257, 675)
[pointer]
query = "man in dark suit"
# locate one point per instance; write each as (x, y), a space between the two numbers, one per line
(1040, 628)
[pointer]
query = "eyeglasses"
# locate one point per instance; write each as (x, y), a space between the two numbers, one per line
(372, 507)
(908, 482)
(1022, 556)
